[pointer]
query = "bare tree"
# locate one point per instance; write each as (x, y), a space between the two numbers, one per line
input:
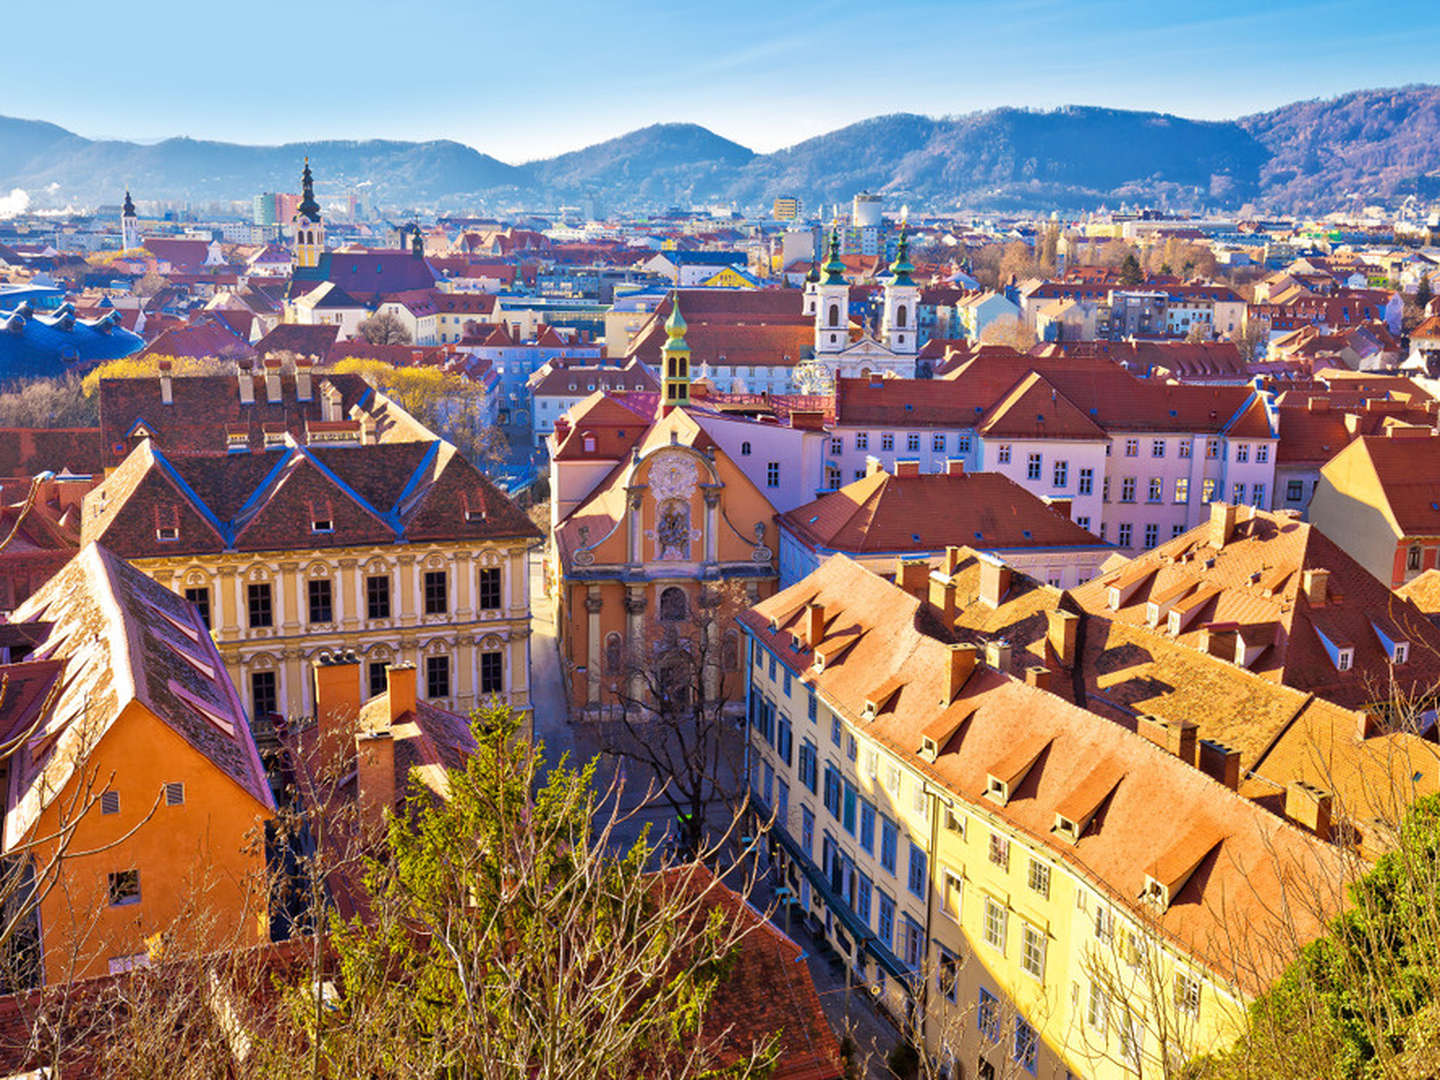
(1009, 330)
(384, 328)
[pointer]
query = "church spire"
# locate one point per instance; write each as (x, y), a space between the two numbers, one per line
(901, 269)
(675, 361)
(308, 208)
(129, 208)
(834, 269)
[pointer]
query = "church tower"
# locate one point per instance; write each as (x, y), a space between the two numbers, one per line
(309, 229)
(832, 303)
(898, 331)
(129, 225)
(675, 361)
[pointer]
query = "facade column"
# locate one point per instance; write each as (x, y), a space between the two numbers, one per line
(287, 603)
(348, 597)
(635, 604)
(634, 531)
(595, 660)
(712, 522)
(464, 586)
(405, 603)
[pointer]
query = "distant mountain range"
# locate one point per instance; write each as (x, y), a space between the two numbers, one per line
(1368, 146)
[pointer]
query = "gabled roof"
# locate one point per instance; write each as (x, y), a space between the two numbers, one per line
(1035, 409)
(121, 637)
(1399, 475)
(299, 338)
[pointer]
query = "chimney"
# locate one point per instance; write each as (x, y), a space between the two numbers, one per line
(1318, 404)
(955, 467)
(997, 655)
(907, 467)
(962, 663)
(375, 774)
(1038, 676)
(1061, 632)
(247, 383)
(872, 465)
(994, 581)
(272, 380)
(1316, 583)
(303, 365)
(814, 624)
(942, 595)
(1220, 762)
(167, 390)
(1309, 807)
(330, 399)
(337, 704)
(952, 560)
(1222, 524)
(400, 687)
(913, 575)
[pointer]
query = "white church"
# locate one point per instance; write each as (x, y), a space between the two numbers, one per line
(827, 301)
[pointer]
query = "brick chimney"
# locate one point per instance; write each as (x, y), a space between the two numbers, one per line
(303, 388)
(907, 467)
(814, 624)
(337, 705)
(375, 774)
(955, 467)
(952, 560)
(962, 662)
(1222, 524)
(1309, 807)
(1038, 676)
(942, 595)
(994, 581)
(1177, 737)
(272, 380)
(997, 655)
(913, 575)
(872, 465)
(1316, 583)
(1063, 507)
(400, 687)
(330, 399)
(246, 381)
(167, 388)
(1061, 632)
(1220, 762)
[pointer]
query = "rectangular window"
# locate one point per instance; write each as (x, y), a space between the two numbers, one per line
(1000, 850)
(947, 976)
(175, 793)
(1262, 452)
(1026, 1048)
(1086, 485)
(1105, 490)
(1207, 490)
(1257, 495)
(1152, 535)
(1212, 448)
(257, 603)
(1187, 994)
(437, 594)
(913, 944)
(807, 832)
(437, 676)
(1237, 493)
(1294, 492)
(862, 440)
(962, 444)
(109, 802)
(1242, 452)
(322, 607)
(807, 765)
(813, 706)
(1083, 521)
(1183, 448)
(200, 597)
(1060, 474)
(1182, 489)
(987, 1015)
(378, 681)
(782, 805)
(124, 887)
(264, 700)
(1032, 951)
(889, 843)
(863, 887)
(836, 730)
(1039, 878)
(837, 446)
(1123, 534)
(996, 918)
(1127, 490)
(867, 826)
(848, 808)
(1157, 448)
(492, 679)
(917, 878)
(1099, 1008)
(1132, 447)
(1002, 454)
(1032, 467)
(489, 588)
(937, 442)
(772, 474)
(832, 791)
(1157, 489)
(377, 597)
(885, 919)
(887, 440)
(784, 737)
(954, 890)
(912, 442)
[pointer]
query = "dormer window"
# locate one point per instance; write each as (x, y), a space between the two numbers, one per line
(928, 749)
(1401, 653)
(1066, 829)
(167, 522)
(996, 790)
(322, 525)
(1344, 659)
(167, 532)
(1155, 893)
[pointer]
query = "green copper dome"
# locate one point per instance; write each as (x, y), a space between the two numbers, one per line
(901, 269)
(675, 328)
(834, 269)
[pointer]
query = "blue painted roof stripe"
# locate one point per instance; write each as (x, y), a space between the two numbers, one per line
(255, 495)
(219, 526)
(347, 489)
(412, 484)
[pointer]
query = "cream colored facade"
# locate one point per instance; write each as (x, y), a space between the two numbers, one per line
(464, 633)
(1069, 967)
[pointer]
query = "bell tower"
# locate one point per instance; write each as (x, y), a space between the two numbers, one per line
(902, 301)
(832, 302)
(309, 229)
(129, 225)
(675, 360)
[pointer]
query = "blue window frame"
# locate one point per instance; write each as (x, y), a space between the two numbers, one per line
(783, 738)
(807, 832)
(782, 805)
(1026, 1048)
(848, 818)
(885, 919)
(832, 791)
(835, 730)
(808, 761)
(987, 1015)
(863, 886)
(787, 683)
(867, 827)
(772, 667)
(814, 706)
(889, 843)
(916, 877)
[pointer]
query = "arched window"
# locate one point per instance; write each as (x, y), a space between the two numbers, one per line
(834, 314)
(744, 449)
(673, 605)
(614, 656)
(900, 315)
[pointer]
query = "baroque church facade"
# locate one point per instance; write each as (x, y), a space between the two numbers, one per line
(892, 347)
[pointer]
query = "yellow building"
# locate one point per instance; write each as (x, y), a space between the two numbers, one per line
(401, 552)
(992, 861)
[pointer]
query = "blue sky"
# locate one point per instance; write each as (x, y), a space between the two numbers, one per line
(524, 80)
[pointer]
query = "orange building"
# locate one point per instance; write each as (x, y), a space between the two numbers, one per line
(134, 764)
(654, 523)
